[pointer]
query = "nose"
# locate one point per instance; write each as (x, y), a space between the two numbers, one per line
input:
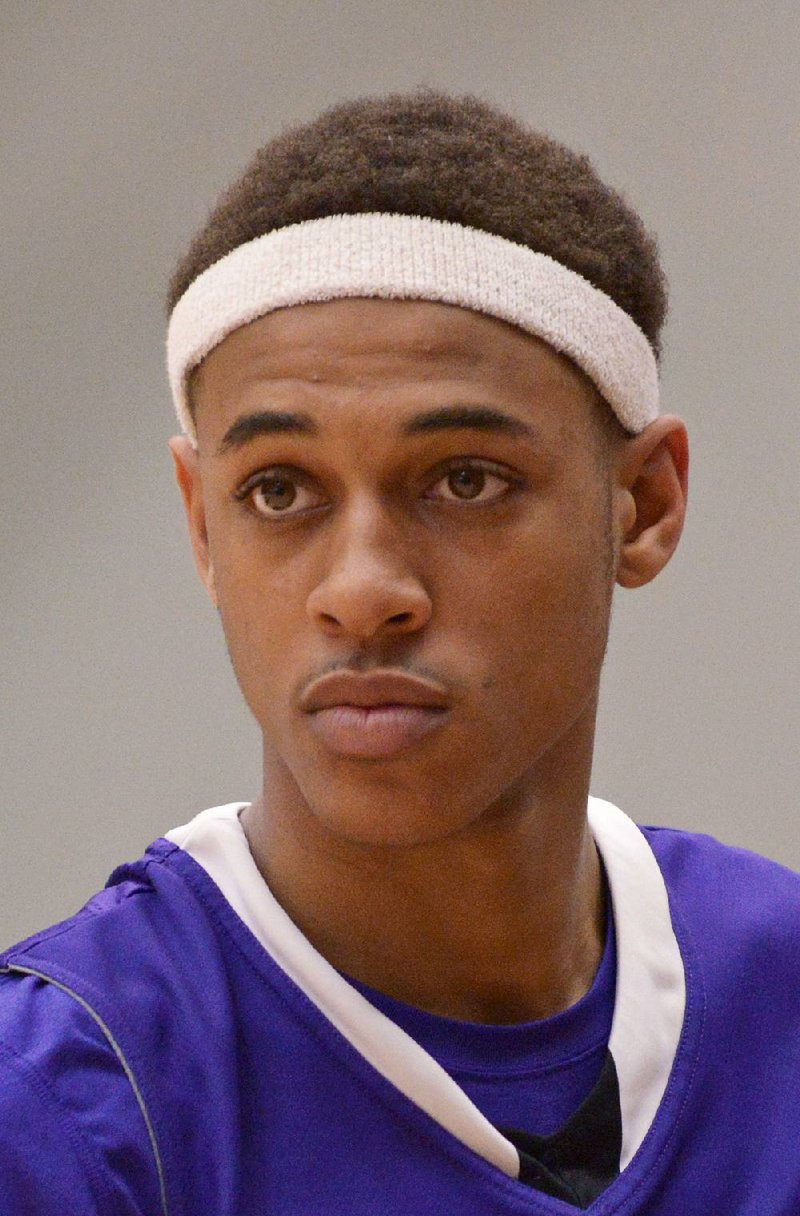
(369, 590)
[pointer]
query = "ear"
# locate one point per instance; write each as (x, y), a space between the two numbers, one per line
(187, 475)
(653, 486)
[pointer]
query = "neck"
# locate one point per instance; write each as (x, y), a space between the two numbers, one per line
(500, 922)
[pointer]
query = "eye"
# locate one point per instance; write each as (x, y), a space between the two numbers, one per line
(467, 481)
(276, 493)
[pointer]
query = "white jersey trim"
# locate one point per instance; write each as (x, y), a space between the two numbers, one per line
(650, 999)
(651, 986)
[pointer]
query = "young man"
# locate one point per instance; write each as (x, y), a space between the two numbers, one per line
(413, 352)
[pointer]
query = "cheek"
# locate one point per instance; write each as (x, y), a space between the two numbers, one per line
(261, 617)
(540, 582)
(541, 610)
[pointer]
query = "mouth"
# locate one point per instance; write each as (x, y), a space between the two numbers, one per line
(375, 731)
(375, 714)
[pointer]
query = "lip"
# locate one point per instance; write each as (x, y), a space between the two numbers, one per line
(371, 690)
(374, 714)
(375, 731)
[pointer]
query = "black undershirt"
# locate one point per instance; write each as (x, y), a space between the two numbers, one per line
(581, 1159)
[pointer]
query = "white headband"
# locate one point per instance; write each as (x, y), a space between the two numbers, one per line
(410, 257)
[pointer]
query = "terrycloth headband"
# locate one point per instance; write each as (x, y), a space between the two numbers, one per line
(409, 257)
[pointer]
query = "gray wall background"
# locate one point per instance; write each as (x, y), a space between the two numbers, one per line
(120, 123)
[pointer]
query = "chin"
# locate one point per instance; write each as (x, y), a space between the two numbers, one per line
(389, 822)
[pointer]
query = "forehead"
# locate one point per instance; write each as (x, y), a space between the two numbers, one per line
(385, 345)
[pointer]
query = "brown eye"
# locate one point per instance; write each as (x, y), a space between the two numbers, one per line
(466, 482)
(276, 493)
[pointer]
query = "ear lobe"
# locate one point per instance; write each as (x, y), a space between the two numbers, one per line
(187, 475)
(655, 479)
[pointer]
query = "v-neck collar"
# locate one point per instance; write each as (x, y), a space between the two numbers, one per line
(650, 992)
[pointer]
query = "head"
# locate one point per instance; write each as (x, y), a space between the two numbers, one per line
(433, 490)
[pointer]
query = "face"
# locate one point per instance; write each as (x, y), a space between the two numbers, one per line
(438, 507)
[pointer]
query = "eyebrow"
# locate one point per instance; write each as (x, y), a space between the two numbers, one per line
(469, 417)
(446, 418)
(265, 422)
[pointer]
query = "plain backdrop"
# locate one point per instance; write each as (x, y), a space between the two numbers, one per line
(120, 123)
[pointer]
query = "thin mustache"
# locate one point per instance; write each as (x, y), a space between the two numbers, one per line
(361, 667)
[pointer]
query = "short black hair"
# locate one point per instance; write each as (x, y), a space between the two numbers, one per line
(450, 158)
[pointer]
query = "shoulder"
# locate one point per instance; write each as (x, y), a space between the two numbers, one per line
(81, 1004)
(731, 899)
(68, 1115)
(62, 1172)
(692, 858)
(147, 914)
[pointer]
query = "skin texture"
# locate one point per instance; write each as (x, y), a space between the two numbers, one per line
(459, 875)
